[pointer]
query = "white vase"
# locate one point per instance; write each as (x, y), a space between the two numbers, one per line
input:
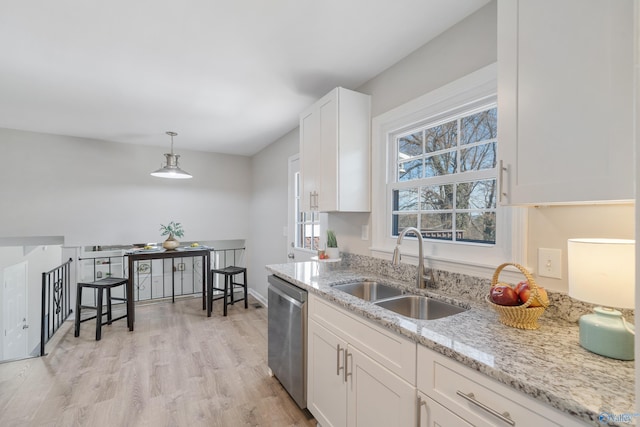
(333, 253)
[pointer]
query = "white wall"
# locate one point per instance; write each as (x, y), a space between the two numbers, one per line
(464, 48)
(467, 46)
(551, 227)
(97, 192)
(268, 245)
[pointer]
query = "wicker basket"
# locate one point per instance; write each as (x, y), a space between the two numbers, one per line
(519, 316)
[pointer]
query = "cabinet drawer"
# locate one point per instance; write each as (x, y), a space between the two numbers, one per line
(432, 414)
(393, 351)
(479, 399)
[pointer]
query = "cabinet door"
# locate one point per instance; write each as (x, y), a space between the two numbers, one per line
(326, 389)
(432, 414)
(329, 152)
(376, 396)
(309, 158)
(565, 93)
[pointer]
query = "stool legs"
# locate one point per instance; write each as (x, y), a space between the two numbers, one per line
(109, 306)
(246, 300)
(230, 284)
(78, 310)
(100, 287)
(226, 293)
(99, 316)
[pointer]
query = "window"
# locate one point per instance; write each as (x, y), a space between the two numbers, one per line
(435, 165)
(444, 180)
(307, 224)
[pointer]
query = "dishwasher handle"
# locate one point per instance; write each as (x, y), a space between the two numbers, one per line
(286, 297)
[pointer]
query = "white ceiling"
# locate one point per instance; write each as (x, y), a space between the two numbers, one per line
(229, 76)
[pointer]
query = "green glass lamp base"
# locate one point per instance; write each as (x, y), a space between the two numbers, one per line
(604, 332)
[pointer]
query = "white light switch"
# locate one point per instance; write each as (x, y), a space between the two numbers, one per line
(550, 263)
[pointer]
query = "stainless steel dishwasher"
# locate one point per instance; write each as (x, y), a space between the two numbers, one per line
(288, 337)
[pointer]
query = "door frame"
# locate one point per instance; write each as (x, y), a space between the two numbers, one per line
(25, 309)
(298, 254)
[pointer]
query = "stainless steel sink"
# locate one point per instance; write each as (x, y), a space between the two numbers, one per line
(369, 290)
(419, 307)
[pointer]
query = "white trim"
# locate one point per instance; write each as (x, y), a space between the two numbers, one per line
(291, 220)
(472, 259)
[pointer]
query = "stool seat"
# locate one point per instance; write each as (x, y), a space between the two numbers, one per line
(229, 270)
(228, 297)
(101, 286)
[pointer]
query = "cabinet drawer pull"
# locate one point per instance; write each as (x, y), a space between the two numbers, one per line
(470, 397)
(346, 371)
(421, 403)
(338, 367)
(501, 192)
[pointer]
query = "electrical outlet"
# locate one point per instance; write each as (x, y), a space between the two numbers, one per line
(550, 263)
(364, 232)
(181, 266)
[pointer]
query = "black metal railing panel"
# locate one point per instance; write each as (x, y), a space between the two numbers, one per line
(152, 279)
(56, 301)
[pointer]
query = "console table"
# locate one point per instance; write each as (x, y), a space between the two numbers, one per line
(205, 253)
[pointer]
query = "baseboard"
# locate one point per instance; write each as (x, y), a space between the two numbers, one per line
(259, 297)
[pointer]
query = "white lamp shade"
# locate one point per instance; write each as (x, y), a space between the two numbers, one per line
(602, 271)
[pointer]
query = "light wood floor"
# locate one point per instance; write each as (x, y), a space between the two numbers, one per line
(178, 368)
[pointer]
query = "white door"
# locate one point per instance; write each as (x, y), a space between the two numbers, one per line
(303, 228)
(15, 312)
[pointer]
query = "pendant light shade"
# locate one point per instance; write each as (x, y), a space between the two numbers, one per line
(171, 169)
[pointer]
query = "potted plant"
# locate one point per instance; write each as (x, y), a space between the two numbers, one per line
(173, 229)
(332, 245)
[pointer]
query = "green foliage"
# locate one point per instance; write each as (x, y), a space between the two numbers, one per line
(174, 228)
(332, 242)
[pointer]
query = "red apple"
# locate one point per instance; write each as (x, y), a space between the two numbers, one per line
(521, 286)
(504, 295)
(525, 294)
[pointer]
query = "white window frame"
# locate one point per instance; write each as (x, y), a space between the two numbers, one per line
(467, 258)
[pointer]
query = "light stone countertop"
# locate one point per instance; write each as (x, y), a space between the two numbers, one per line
(548, 363)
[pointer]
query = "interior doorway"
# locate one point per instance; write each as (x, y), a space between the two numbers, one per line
(303, 227)
(14, 320)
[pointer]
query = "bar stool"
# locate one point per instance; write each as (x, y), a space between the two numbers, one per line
(230, 284)
(101, 286)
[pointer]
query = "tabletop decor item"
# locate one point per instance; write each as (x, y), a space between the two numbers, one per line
(513, 310)
(602, 272)
(173, 229)
(332, 249)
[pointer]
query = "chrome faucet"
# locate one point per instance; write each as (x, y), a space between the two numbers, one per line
(421, 277)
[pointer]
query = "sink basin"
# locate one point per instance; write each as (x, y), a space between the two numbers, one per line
(419, 307)
(369, 290)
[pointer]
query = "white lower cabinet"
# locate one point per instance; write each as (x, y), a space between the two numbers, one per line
(376, 396)
(326, 388)
(360, 374)
(347, 386)
(478, 399)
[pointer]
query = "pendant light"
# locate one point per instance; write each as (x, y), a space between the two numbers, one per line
(171, 169)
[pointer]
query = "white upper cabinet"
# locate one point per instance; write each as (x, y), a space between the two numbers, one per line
(565, 101)
(335, 153)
